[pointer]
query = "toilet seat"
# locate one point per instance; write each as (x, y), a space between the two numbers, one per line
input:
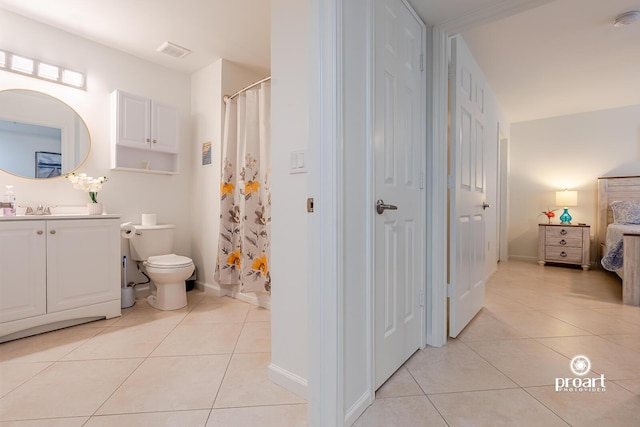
(170, 261)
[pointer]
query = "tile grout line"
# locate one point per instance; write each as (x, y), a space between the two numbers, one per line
(226, 370)
(148, 356)
(545, 405)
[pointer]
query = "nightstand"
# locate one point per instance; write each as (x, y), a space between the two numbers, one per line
(564, 244)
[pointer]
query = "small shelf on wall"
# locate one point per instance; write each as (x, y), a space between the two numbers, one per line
(145, 135)
(138, 170)
(141, 160)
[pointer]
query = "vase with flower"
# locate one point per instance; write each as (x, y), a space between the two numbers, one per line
(549, 214)
(92, 186)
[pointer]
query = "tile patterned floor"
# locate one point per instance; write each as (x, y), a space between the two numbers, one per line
(501, 369)
(206, 365)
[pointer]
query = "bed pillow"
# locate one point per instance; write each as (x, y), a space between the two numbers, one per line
(626, 212)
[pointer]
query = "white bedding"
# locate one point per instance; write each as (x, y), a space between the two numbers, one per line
(612, 259)
(615, 232)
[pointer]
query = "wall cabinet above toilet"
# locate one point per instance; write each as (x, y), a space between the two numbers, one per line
(145, 135)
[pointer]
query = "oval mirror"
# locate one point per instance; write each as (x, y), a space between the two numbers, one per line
(40, 136)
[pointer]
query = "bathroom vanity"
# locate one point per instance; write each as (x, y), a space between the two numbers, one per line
(57, 271)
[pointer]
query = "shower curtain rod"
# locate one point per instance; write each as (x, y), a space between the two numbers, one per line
(252, 85)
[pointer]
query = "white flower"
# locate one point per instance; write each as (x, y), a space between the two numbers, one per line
(87, 183)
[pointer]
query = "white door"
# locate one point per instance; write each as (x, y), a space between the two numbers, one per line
(398, 115)
(467, 192)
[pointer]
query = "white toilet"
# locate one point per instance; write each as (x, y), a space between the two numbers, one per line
(153, 244)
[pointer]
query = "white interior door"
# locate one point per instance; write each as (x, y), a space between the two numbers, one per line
(398, 116)
(468, 189)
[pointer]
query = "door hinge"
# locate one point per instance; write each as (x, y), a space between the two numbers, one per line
(449, 290)
(422, 62)
(421, 298)
(451, 72)
(422, 180)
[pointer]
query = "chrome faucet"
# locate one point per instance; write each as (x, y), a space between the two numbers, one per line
(40, 210)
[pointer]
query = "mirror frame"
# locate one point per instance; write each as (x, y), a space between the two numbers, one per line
(81, 120)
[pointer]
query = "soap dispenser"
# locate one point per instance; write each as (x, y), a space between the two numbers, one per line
(9, 198)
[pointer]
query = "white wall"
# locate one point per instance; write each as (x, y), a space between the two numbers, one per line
(127, 193)
(208, 86)
(289, 250)
(565, 152)
(206, 122)
(494, 119)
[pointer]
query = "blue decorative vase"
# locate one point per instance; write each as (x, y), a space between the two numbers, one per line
(565, 218)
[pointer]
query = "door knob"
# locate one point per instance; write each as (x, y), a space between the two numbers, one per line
(485, 205)
(381, 207)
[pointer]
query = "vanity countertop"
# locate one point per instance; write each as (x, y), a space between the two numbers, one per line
(56, 217)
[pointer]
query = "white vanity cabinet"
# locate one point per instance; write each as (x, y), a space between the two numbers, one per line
(23, 270)
(57, 272)
(145, 135)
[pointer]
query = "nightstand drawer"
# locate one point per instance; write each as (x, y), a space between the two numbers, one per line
(570, 242)
(555, 253)
(558, 233)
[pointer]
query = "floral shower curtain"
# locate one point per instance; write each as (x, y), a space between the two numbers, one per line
(245, 205)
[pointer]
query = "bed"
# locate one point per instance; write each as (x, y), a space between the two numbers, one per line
(625, 237)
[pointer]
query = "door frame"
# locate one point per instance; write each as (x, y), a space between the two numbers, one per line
(503, 197)
(327, 183)
(437, 155)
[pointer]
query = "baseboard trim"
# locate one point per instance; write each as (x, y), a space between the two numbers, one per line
(258, 299)
(214, 288)
(288, 380)
(523, 258)
(358, 408)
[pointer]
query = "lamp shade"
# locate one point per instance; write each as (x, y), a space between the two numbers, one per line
(566, 198)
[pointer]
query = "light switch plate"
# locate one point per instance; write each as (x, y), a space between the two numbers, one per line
(298, 161)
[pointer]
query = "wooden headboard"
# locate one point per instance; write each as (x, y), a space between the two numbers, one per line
(609, 190)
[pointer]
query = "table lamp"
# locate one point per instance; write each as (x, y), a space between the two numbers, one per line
(566, 198)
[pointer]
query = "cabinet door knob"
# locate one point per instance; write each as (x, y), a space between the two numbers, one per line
(563, 242)
(52, 232)
(563, 232)
(148, 140)
(39, 232)
(563, 254)
(154, 141)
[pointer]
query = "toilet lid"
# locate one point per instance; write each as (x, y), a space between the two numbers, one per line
(169, 261)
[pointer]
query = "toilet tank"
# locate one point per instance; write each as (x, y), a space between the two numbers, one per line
(151, 240)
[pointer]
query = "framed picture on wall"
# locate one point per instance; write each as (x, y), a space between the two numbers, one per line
(48, 164)
(206, 153)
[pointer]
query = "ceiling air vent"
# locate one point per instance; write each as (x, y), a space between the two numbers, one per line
(173, 50)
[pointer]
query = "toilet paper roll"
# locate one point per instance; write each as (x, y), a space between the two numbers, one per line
(127, 230)
(149, 219)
